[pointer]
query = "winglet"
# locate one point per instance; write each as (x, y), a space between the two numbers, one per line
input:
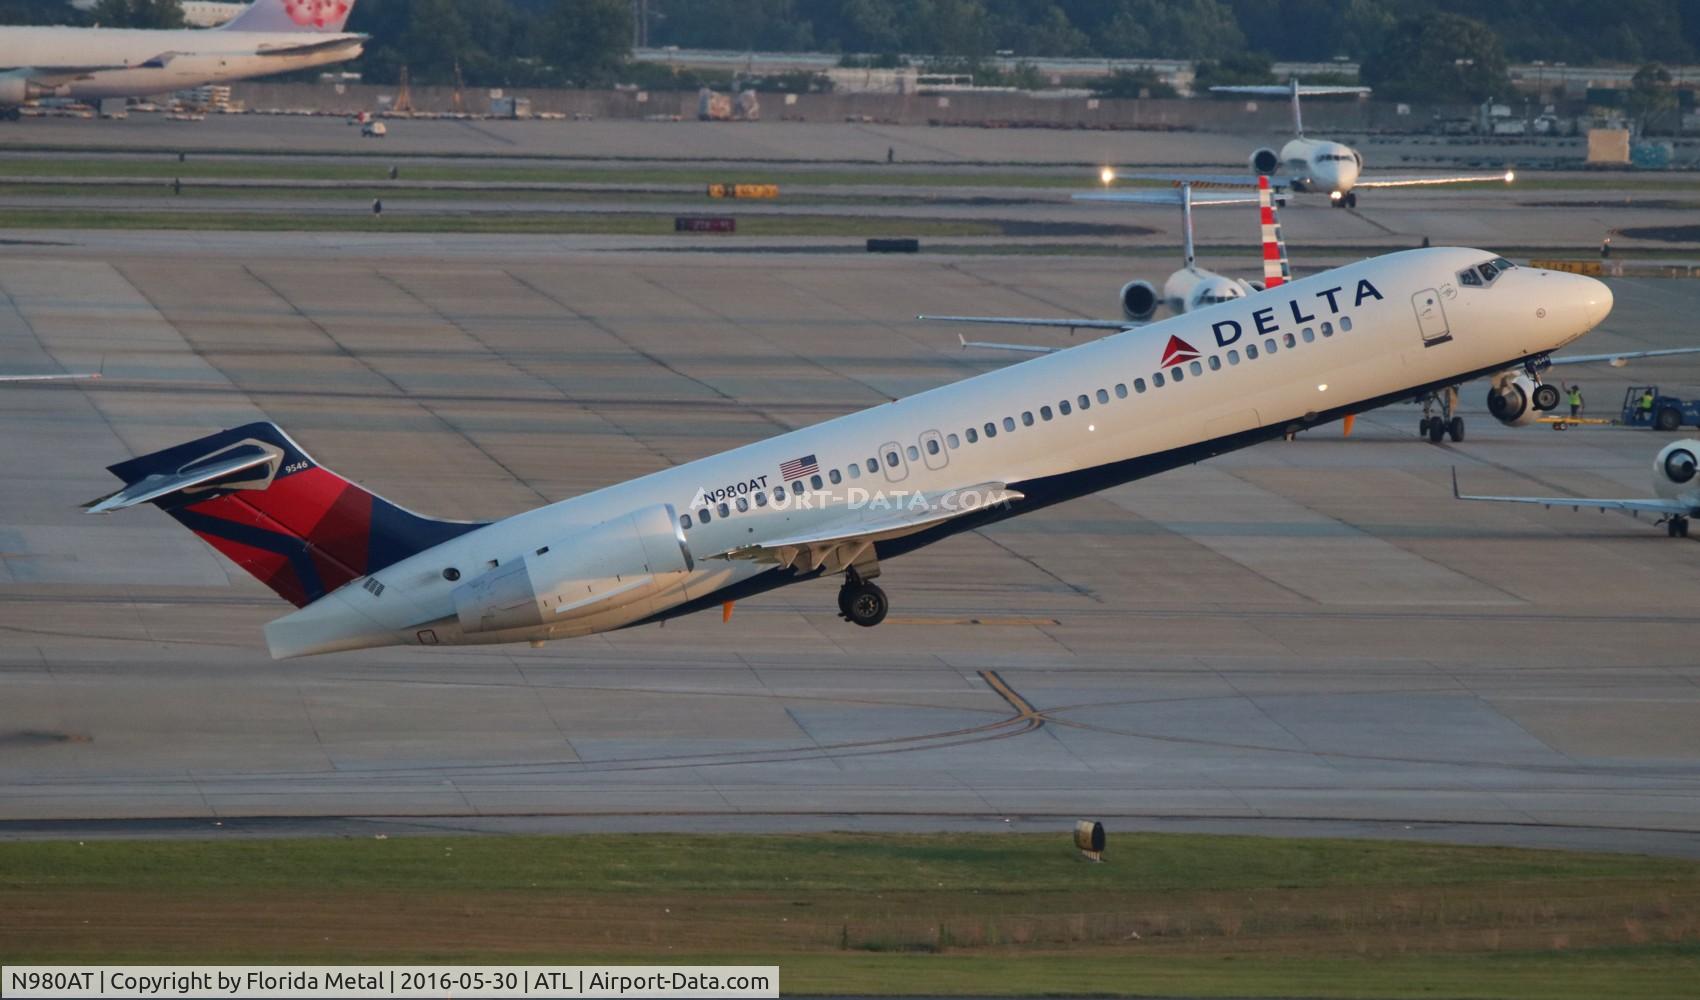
(1455, 495)
(963, 340)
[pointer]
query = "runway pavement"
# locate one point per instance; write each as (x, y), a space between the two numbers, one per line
(1310, 636)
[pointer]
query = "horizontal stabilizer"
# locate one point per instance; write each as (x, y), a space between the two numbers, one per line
(220, 467)
(1286, 90)
(992, 345)
(1170, 196)
(64, 377)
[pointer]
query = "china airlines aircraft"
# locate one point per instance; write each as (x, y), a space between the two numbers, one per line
(1674, 480)
(844, 496)
(1306, 164)
(270, 36)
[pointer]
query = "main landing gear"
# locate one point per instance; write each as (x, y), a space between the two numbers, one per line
(861, 601)
(1347, 200)
(1676, 527)
(1447, 423)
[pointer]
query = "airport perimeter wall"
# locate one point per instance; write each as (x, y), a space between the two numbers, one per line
(958, 108)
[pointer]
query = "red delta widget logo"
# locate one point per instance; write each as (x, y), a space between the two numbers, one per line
(1177, 351)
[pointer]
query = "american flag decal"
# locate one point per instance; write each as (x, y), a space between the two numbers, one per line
(797, 468)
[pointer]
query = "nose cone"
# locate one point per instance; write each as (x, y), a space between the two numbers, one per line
(1596, 301)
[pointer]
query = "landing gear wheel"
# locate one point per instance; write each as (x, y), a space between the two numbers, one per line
(1352, 200)
(1677, 527)
(12, 114)
(1668, 419)
(1455, 429)
(1422, 427)
(1545, 397)
(1436, 430)
(863, 603)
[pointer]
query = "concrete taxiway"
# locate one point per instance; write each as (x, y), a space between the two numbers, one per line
(1310, 636)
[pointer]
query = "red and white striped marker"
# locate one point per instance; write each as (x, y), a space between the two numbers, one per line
(1275, 269)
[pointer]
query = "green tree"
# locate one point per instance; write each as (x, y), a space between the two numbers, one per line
(1186, 29)
(1650, 99)
(1437, 57)
(587, 40)
(138, 14)
(1131, 83)
(39, 12)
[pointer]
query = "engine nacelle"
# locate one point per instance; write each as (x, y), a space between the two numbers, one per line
(1139, 301)
(15, 90)
(1264, 161)
(1675, 468)
(1512, 401)
(602, 568)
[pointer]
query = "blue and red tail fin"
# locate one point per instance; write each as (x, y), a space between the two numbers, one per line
(317, 16)
(298, 527)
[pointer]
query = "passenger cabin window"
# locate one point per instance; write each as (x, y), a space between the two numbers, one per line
(873, 465)
(1251, 352)
(1157, 379)
(991, 430)
(1308, 334)
(815, 482)
(973, 435)
(1044, 413)
(703, 516)
(1138, 385)
(913, 452)
(743, 504)
(1233, 356)
(684, 520)
(1103, 396)
(761, 499)
(779, 493)
(1289, 340)
(1269, 346)
(952, 441)
(1027, 418)
(932, 446)
(1085, 401)
(1176, 374)
(1009, 423)
(1064, 409)
(855, 470)
(797, 487)
(1215, 363)
(834, 477)
(1328, 328)
(724, 510)
(891, 459)
(1121, 391)
(1196, 368)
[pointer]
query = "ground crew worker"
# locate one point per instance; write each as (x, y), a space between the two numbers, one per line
(1575, 401)
(1647, 403)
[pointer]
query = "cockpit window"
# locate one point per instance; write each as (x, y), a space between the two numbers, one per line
(1489, 272)
(1470, 278)
(1485, 273)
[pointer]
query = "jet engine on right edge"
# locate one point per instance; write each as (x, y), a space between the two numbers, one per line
(1139, 301)
(1676, 465)
(1264, 161)
(1516, 400)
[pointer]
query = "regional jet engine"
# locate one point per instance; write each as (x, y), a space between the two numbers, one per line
(1139, 301)
(1677, 464)
(600, 568)
(1516, 400)
(1264, 161)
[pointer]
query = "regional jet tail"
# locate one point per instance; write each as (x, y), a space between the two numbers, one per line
(271, 36)
(843, 498)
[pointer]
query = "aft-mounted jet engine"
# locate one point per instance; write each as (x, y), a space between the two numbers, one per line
(1139, 301)
(1516, 400)
(1264, 161)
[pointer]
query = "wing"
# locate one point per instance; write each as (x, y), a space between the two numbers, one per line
(842, 539)
(1169, 196)
(1620, 358)
(1425, 180)
(1650, 506)
(48, 378)
(995, 346)
(1276, 90)
(1204, 181)
(1071, 324)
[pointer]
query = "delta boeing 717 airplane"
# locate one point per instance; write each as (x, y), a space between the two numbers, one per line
(846, 496)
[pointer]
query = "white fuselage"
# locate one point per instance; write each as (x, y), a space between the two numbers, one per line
(1320, 165)
(1194, 288)
(1314, 349)
(186, 58)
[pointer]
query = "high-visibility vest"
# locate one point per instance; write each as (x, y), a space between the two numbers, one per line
(1575, 397)
(1647, 401)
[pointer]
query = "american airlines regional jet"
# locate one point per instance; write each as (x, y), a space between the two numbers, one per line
(844, 496)
(270, 36)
